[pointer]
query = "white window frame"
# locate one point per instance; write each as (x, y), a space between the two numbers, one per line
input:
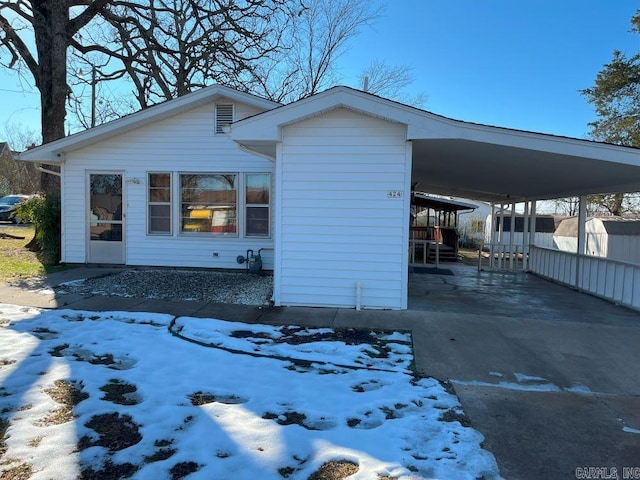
(210, 234)
(247, 205)
(169, 203)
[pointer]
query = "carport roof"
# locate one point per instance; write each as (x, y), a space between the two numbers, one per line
(469, 160)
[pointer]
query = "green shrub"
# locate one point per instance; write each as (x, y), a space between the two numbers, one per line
(44, 212)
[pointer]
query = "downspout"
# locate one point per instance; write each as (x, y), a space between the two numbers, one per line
(40, 168)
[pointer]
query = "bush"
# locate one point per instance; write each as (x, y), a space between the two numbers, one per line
(44, 212)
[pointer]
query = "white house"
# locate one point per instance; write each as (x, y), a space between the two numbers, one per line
(321, 186)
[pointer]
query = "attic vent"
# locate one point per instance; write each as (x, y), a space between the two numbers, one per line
(224, 117)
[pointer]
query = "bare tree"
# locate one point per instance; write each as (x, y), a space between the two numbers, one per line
(168, 48)
(50, 26)
(316, 37)
(17, 177)
(391, 81)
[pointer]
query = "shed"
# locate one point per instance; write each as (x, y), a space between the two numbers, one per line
(610, 237)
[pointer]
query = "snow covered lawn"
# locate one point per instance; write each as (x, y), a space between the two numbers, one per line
(118, 395)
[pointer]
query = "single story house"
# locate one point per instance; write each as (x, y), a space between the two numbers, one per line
(321, 186)
(610, 237)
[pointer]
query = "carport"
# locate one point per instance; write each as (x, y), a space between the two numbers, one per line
(506, 167)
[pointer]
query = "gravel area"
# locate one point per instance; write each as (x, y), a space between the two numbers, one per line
(186, 285)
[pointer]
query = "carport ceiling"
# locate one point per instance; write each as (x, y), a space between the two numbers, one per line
(502, 173)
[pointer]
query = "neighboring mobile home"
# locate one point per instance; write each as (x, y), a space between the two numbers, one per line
(321, 186)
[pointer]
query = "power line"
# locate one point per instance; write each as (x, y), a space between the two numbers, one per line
(16, 91)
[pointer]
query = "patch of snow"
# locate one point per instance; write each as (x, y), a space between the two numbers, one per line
(496, 374)
(264, 415)
(546, 387)
(522, 378)
(630, 430)
(578, 388)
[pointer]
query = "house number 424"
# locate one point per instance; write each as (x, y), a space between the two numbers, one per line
(394, 194)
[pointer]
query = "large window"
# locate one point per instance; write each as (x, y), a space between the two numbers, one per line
(257, 197)
(159, 220)
(208, 203)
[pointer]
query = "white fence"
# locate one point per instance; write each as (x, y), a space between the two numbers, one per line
(609, 279)
(501, 256)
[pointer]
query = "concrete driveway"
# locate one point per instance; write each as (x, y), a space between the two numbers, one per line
(550, 376)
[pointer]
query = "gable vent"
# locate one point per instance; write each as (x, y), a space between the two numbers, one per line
(224, 117)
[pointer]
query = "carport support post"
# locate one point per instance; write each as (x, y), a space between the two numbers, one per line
(512, 233)
(532, 231)
(492, 235)
(582, 220)
(525, 237)
(501, 235)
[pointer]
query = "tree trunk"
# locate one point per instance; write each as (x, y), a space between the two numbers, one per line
(51, 19)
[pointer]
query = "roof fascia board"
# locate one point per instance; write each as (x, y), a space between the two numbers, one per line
(266, 126)
(456, 129)
(49, 152)
(422, 125)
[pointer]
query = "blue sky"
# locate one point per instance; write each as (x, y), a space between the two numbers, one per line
(512, 63)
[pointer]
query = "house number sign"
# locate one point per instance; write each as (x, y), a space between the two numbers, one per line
(394, 194)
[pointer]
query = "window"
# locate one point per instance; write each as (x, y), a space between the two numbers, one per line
(257, 197)
(224, 116)
(208, 203)
(159, 222)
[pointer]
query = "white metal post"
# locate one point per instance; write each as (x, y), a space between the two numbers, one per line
(492, 236)
(582, 220)
(525, 237)
(532, 231)
(512, 232)
(501, 235)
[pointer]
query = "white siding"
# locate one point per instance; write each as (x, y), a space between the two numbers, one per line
(337, 226)
(184, 143)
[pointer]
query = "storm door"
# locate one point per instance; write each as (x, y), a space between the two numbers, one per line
(105, 218)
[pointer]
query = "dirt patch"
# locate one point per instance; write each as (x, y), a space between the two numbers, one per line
(160, 454)
(57, 351)
(4, 426)
(120, 392)
(288, 418)
(68, 394)
(452, 415)
(202, 398)
(182, 469)
(4, 363)
(335, 470)
(109, 471)
(300, 336)
(116, 432)
(19, 472)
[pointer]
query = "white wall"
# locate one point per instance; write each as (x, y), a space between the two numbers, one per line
(338, 225)
(184, 143)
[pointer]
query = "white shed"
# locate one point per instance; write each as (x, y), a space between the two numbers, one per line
(610, 237)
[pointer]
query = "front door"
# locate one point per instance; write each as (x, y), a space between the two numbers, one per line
(105, 218)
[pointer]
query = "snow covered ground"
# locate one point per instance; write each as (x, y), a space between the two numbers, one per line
(119, 395)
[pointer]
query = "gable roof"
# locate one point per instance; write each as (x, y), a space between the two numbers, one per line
(53, 152)
(468, 160)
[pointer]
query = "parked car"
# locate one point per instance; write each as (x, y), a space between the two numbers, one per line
(8, 206)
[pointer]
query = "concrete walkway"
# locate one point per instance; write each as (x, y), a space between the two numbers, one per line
(550, 376)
